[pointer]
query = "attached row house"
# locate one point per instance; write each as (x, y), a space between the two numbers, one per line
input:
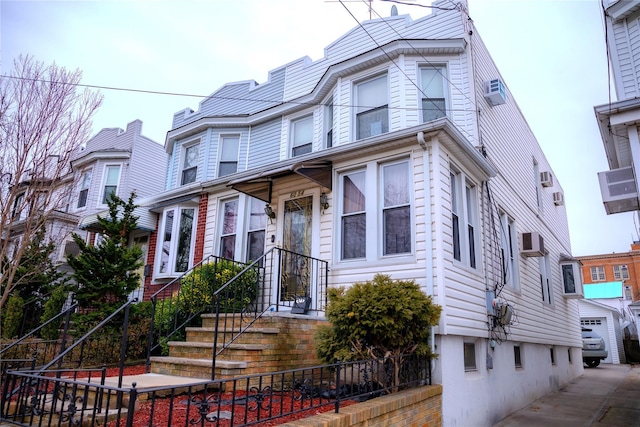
(403, 152)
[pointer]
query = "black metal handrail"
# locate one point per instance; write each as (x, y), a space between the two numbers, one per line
(44, 398)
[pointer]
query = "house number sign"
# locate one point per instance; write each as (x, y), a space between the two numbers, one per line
(296, 193)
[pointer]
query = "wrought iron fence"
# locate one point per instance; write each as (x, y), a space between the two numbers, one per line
(50, 398)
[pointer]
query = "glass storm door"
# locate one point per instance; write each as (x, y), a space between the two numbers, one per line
(295, 280)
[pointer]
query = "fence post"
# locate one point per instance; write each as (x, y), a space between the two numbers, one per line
(337, 402)
(131, 409)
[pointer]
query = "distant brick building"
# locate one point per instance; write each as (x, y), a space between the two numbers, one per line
(615, 267)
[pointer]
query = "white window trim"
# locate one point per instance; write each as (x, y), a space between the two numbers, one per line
(174, 241)
(292, 123)
(183, 152)
(595, 272)
(508, 226)
(373, 211)
(221, 145)
(546, 281)
(328, 107)
(619, 272)
(443, 71)
(356, 85)
(242, 226)
(81, 188)
(103, 182)
(463, 181)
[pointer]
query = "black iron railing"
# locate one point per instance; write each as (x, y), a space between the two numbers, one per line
(47, 399)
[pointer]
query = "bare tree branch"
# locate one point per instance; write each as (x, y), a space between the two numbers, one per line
(44, 119)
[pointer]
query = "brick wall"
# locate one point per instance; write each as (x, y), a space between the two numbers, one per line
(607, 261)
(198, 251)
(416, 407)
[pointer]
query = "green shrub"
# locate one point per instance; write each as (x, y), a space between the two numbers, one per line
(197, 288)
(378, 318)
(52, 308)
(12, 316)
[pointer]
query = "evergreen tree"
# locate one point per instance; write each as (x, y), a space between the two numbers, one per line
(106, 273)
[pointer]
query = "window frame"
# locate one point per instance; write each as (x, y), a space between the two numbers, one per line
(373, 212)
(620, 272)
(546, 282)
(517, 356)
(509, 251)
(470, 356)
(221, 156)
(362, 110)
(598, 273)
(174, 242)
(183, 159)
(384, 208)
(102, 201)
(301, 147)
(346, 217)
(441, 72)
(464, 214)
(246, 206)
(328, 123)
(85, 185)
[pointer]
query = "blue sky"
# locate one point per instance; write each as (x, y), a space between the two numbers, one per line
(551, 54)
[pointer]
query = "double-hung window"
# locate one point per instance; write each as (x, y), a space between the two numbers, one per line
(432, 92)
(372, 112)
(177, 239)
(396, 208)
(620, 272)
(328, 124)
(232, 240)
(464, 206)
(190, 164)
(18, 206)
(597, 274)
(301, 136)
(111, 178)
(228, 155)
(508, 251)
(385, 187)
(85, 183)
(354, 219)
(545, 279)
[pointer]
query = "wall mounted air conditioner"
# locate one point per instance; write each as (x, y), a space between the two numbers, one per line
(572, 279)
(531, 244)
(495, 93)
(546, 179)
(558, 198)
(619, 190)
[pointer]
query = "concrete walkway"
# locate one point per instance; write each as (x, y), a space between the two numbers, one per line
(608, 395)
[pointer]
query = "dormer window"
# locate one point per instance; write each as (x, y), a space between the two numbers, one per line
(301, 136)
(372, 113)
(190, 164)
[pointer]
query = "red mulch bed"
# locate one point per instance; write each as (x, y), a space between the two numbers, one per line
(181, 412)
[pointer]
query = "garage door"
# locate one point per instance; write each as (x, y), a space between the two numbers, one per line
(599, 326)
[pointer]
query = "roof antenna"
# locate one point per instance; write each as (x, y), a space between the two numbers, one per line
(394, 10)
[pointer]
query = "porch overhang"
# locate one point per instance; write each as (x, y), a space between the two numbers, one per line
(260, 185)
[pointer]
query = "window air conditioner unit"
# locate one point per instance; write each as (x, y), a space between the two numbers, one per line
(619, 190)
(531, 244)
(546, 179)
(571, 279)
(558, 198)
(494, 92)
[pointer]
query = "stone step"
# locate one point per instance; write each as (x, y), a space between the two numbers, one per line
(196, 368)
(204, 350)
(253, 335)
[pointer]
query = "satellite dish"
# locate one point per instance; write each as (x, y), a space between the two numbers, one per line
(394, 10)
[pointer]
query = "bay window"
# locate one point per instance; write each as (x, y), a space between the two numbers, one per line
(232, 241)
(375, 205)
(177, 240)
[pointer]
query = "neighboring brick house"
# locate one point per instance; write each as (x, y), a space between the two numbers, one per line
(403, 152)
(615, 267)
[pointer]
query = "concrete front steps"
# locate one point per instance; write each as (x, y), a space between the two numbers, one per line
(274, 342)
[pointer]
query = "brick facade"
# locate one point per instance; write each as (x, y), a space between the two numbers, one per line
(608, 261)
(198, 251)
(416, 407)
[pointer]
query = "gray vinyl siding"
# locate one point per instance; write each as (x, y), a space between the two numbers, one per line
(264, 144)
